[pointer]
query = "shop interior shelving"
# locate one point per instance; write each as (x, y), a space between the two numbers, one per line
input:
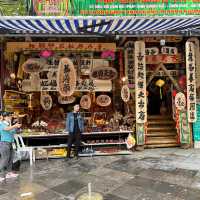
(95, 142)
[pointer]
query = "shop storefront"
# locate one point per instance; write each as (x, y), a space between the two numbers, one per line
(129, 76)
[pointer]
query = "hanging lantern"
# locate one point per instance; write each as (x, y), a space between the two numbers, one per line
(160, 84)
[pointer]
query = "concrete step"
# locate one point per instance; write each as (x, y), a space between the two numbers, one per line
(157, 117)
(158, 134)
(161, 122)
(161, 140)
(161, 129)
(151, 146)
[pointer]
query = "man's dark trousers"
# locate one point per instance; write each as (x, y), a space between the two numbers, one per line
(73, 138)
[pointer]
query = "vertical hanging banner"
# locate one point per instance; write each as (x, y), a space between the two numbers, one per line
(140, 82)
(129, 63)
(184, 128)
(140, 91)
(191, 81)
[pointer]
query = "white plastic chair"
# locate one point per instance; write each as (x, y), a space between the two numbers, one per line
(22, 148)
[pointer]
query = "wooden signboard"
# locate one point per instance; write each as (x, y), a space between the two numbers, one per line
(46, 101)
(140, 82)
(191, 81)
(66, 78)
(12, 47)
(66, 100)
(169, 50)
(86, 85)
(157, 39)
(85, 102)
(129, 63)
(33, 65)
(180, 101)
(103, 100)
(184, 127)
(164, 58)
(152, 51)
(125, 93)
(104, 73)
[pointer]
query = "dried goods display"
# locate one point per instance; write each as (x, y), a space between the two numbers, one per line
(103, 100)
(85, 102)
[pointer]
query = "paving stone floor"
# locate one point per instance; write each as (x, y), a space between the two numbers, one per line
(158, 174)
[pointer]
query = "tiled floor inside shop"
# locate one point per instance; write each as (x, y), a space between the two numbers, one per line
(159, 174)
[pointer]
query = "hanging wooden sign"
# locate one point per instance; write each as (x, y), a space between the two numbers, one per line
(129, 63)
(166, 38)
(46, 101)
(26, 86)
(184, 127)
(85, 66)
(12, 47)
(33, 65)
(86, 85)
(180, 101)
(125, 93)
(152, 51)
(140, 82)
(85, 102)
(103, 100)
(191, 81)
(66, 77)
(66, 100)
(104, 73)
(169, 50)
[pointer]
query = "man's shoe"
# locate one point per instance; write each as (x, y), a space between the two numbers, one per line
(68, 159)
(2, 179)
(11, 175)
(77, 158)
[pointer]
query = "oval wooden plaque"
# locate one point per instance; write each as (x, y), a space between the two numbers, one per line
(85, 102)
(33, 65)
(125, 93)
(66, 77)
(103, 100)
(46, 101)
(104, 73)
(66, 100)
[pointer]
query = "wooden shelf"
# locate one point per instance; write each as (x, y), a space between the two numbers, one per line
(106, 154)
(103, 144)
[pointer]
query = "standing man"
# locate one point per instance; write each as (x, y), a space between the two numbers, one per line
(7, 132)
(75, 126)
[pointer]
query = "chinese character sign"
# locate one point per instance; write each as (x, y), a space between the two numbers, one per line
(129, 63)
(140, 82)
(66, 77)
(191, 81)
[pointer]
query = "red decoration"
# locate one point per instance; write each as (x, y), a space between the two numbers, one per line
(182, 81)
(46, 53)
(174, 93)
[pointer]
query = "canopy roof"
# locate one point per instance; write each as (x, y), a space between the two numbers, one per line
(99, 25)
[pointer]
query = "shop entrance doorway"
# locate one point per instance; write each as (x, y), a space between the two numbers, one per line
(161, 128)
(159, 98)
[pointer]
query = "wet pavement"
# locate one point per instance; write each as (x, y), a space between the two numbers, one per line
(158, 174)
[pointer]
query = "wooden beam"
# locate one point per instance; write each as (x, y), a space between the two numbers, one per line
(152, 76)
